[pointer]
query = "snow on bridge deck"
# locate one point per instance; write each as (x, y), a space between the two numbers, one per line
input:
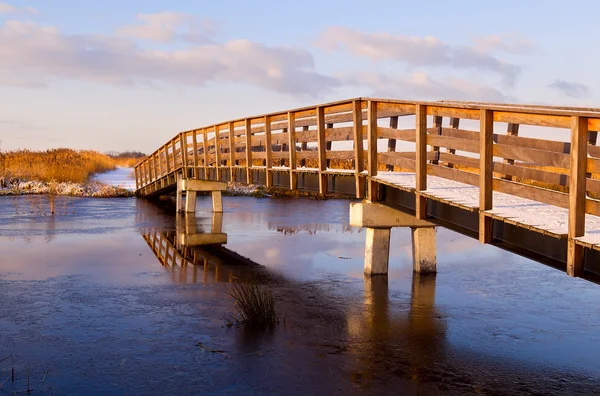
(541, 217)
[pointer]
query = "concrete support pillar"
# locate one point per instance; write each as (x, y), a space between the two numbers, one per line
(179, 196)
(423, 248)
(190, 201)
(377, 251)
(217, 201)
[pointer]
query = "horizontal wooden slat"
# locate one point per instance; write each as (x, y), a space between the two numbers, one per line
(453, 174)
(453, 143)
(543, 195)
(399, 134)
(453, 112)
(397, 160)
(538, 157)
(533, 119)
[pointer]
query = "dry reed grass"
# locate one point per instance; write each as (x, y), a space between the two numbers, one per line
(58, 165)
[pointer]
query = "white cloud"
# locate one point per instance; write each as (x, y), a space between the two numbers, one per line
(169, 26)
(572, 89)
(420, 86)
(35, 55)
(415, 51)
(511, 44)
(6, 8)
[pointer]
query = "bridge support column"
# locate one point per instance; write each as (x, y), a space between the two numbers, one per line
(377, 251)
(423, 250)
(217, 202)
(190, 201)
(191, 187)
(379, 219)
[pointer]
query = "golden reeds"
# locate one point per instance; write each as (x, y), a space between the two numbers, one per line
(60, 165)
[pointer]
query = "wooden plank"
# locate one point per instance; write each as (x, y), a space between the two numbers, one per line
(453, 126)
(359, 161)
(231, 152)
(453, 174)
(292, 150)
(579, 134)
(533, 193)
(395, 159)
(269, 152)
(511, 130)
(391, 142)
(195, 153)
(218, 151)
(437, 126)
(554, 121)
(538, 157)
(421, 161)
(372, 149)
(205, 148)
(321, 148)
(486, 175)
(454, 143)
(452, 112)
(407, 135)
(248, 127)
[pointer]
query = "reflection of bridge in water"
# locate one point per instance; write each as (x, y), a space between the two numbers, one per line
(412, 338)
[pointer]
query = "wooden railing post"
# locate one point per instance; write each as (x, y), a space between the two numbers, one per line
(183, 151)
(511, 130)
(292, 144)
(155, 167)
(372, 149)
(174, 155)
(437, 123)
(421, 161)
(304, 146)
(195, 153)
(136, 172)
(392, 142)
(359, 154)
(269, 153)
(577, 195)
(160, 169)
(231, 152)
(453, 125)
(592, 138)
(328, 144)
(205, 148)
(168, 162)
(486, 175)
(248, 124)
(218, 152)
(322, 146)
(148, 174)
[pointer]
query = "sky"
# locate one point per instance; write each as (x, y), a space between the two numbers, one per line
(129, 75)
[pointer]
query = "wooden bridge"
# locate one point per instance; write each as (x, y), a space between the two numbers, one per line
(524, 178)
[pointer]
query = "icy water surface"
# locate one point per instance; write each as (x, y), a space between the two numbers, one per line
(86, 307)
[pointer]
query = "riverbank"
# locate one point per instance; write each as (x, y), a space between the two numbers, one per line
(90, 189)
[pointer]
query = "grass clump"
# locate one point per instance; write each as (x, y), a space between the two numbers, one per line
(255, 304)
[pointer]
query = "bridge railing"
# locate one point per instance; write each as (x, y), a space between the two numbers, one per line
(543, 153)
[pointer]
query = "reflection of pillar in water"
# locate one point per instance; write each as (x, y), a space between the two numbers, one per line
(194, 270)
(377, 305)
(422, 315)
(205, 274)
(426, 331)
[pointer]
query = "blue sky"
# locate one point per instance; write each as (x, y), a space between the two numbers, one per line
(127, 75)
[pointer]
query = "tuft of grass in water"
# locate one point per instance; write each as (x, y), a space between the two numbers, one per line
(255, 304)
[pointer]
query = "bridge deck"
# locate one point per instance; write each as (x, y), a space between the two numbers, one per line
(534, 167)
(547, 219)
